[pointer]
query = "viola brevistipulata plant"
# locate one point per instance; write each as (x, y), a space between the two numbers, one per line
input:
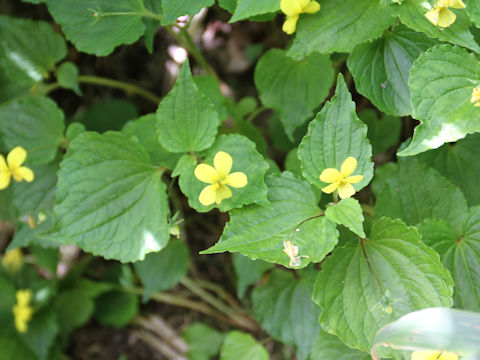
(240, 179)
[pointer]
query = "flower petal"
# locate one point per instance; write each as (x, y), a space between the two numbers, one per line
(330, 175)
(346, 190)
(236, 180)
(446, 17)
(16, 157)
(331, 188)
(348, 166)
(433, 15)
(206, 174)
(23, 173)
(208, 195)
(223, 164)
(4, 179)
(290, 24)
(353, 179)
(312, 7)
(456, 4)
(290, 7)
(223, 192)
(3, 164)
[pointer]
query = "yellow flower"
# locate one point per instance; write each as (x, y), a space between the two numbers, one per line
(341, 180)
(219, 177)
(441, 15)
(13, 260)
(293, 8)
(433, 355)
(13, 167)
(22, 311)
(476, 96)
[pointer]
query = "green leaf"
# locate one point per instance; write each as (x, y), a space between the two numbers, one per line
(110, 201)
(39, 195)
(249, 8)
(228, 5)
(292, 87)
(335, 134)
(381, 68)
(107, 115)
(437, 328)
(10, 90)
(210, 87)
(35, 123)
(460, 253)
(458, 163)
(412, 14)
(186, 119)
(364, 286)
(203, 341)
(339, 26)
(73, 130)
(413, 192)
(292, 214)
(383, 132)
(162, 270)
(93, 28)
(29, 49)
(45, 258)
(330, 347)
(74, 308)
(347, 212)
(8, 212)
(67, 76)
(473, 11)
(7, 302)
(42, 331)
(144, 130)
(240, 346)
(116, 308)
(245, 159)
(172, 9)
(441, 83)
(14, 349)
(248, 272)
(286, 311)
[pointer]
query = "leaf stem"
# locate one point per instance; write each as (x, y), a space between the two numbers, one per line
(255, 113)
(116, 84)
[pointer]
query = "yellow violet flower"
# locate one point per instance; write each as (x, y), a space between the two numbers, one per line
(13, 260)
(13, 167)
(341, 180)
(219, 177)
(476, 96)
(433, 355)
(22, 311)
(293, 8)
(441, 15)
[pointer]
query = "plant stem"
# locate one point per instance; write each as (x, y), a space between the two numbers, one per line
(239, 319)
(129, 88)
(255, 113)
(101, 81)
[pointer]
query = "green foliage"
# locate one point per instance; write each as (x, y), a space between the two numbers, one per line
(381, 68)
(238, 345)
(259, 231)
(339, 26)
(186, 119)
(85, 23)
(29, 49)
(286, 311)
(162, 270)
(203, 341)
(310, 276)
(294, 88)
(337, 120)
(443, 106)
(355, 291)
(103, 181)
(35, 123)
